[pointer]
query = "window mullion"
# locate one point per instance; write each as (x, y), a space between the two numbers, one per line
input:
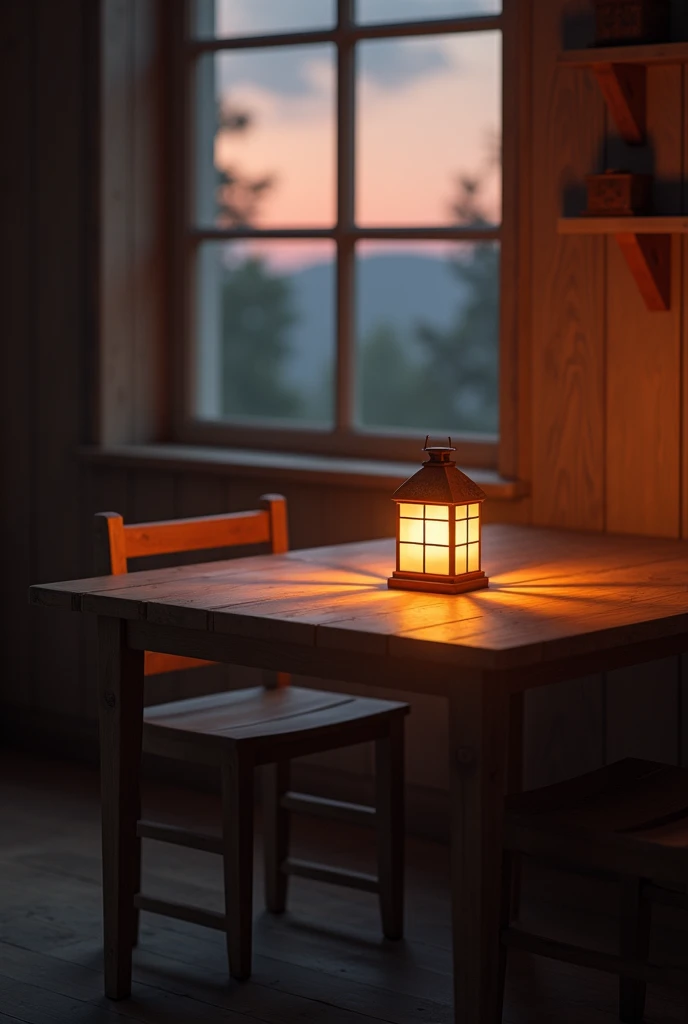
(344, 376)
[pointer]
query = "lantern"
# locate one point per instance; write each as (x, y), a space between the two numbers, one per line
(439, 528)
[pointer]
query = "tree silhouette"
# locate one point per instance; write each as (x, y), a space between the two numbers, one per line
(443, 378)
(257, 309)
(463, 359)
(257, 313)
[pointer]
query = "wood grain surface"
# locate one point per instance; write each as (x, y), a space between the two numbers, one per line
(554, 594)
(567, 397)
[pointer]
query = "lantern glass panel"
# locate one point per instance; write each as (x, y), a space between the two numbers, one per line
(473, 557)
(411, 530)
(437, 560)
(473, 510)
(436, 532)
(460, 559)
(411, 511)
(411, 557)
(473, 529)
(462, 512)
(437, 512)
(461, 534)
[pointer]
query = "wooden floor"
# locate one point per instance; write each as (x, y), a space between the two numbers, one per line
(324, 961)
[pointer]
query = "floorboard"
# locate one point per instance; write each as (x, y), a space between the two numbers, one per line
(323, 962)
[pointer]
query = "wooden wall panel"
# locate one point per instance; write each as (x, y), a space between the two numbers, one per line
(17, 218)
(147, 218)
(643, 712)
(58, 301)
(563, 726)
(567, 384)
(644, 348)
(684, 323)
(564, 731)
(131, 322)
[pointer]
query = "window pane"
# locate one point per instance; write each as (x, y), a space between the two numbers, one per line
(411, 557)
(437, 560)
(417, 10)
(260, 17)
(411, 530)
(428, 130)
(436, 533)
(265, 138)
(427, 324)
(265, 332)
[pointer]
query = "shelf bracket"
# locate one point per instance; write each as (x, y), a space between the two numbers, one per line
(624, 87)
(649, 260)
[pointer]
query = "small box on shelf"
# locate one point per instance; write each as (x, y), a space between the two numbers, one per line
(632, 21)
(618, 194)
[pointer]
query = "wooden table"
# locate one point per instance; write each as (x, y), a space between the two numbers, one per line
(560, 605)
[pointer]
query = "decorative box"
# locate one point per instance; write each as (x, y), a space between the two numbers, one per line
(632, 21)
(618, 194)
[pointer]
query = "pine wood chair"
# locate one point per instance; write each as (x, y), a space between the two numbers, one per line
(628, 820)
(266, 726)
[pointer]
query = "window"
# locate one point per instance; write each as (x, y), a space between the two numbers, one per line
(340, 229)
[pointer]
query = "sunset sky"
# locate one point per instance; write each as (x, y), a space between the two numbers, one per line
(427, 109)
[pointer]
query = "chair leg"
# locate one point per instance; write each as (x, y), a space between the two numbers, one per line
(389, 782)
(515, 785)
(276, 822)
(237, 834)
(634, 943)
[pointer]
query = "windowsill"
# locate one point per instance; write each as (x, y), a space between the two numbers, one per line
(335, 471)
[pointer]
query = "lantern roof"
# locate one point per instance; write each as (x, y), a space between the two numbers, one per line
(439, 481)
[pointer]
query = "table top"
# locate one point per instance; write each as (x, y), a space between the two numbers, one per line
(552, 594)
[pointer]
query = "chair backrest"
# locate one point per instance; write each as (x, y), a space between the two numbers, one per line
(115, 543)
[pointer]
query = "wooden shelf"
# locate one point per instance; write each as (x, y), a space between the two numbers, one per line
(621, 72)
(645, 54)
(623, 225)
(646, 245)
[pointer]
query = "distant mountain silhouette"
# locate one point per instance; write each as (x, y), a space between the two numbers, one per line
(398, 290)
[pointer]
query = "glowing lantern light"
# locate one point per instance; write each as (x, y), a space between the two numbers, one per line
(439, 528)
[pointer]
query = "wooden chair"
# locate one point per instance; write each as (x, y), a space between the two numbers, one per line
(266, 726)
(628, 820)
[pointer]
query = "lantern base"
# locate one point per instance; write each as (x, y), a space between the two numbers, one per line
(438, 584)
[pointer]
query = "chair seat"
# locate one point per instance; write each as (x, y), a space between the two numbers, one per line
(630, 817)
(267, 720)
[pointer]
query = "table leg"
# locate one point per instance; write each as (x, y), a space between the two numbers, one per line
(515, 785)
(120, 701)
(478, 736)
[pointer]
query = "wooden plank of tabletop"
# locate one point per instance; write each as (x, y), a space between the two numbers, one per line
(519, 552)
(372, 617)
(522, 627)
(187, 602)
(62, 594)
